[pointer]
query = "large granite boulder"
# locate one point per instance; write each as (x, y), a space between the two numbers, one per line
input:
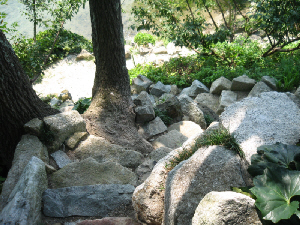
(62, 126)
(212, 168)
(92, 200)
(272, 117)
(28, 147)
(140, 83)
(25, 200)
(226, 208)
(103, 151)
(61, 158)
(191, 110)
(242, 83)
(34, 127)
(219, 85)
(90, 172)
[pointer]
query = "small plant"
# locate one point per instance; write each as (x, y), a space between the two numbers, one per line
(208, 119)
(163, 115)
(142, 39)
(82, 105)
(275, 169)
(47, 136)
(219, 136)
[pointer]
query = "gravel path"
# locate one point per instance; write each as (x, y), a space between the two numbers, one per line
(68, 74)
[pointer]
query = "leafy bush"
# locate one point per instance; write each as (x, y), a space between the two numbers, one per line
(163, 115)
(230, 60)
(32, 55)
(219, 136)
(276, 178)
(82, 105)
(144, 39)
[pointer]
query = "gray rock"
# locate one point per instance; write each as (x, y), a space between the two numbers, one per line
(270, 81)
(28, 147)
(103, 151)
(73, 141)
(191, 110)
(212, 168)
(109, 221)
(172, 139)
(148, 198)
(143, 50)
(144, 113)
(144, 170)
(93, 200)
(172, 107)
(186, 128)
(272, 117)
(90, 172)
(209, 100)
(159, 88)
(143, 99)
(153, 128)
(140, 83)
(34, 127)
(65, 95)
(242, 83)
(219, 85)
(174, 90)
(185, 91)
(61, 158)
(64, 125)
(259, 88)
(66, 106)
(226, 208)
(25, 201)
(84, 55)
(197, 88)
(160, 50)
(55, 102)
(227, 98)
(127, 51)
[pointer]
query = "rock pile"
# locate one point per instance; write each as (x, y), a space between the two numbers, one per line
(72, 173)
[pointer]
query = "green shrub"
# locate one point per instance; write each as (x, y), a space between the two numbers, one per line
(32, 55)
(82, 105)
(163, 115)
(276, 178)
(144, 39)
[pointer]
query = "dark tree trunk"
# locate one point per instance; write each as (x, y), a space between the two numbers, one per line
(18, 102)
(111, 113)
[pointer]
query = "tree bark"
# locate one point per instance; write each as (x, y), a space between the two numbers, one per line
(111, 114)
(18, 102)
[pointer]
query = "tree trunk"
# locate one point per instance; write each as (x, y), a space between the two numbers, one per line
(111, 114)
(18, 102)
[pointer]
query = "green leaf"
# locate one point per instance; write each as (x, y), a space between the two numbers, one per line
(285, 156)
(274, 190)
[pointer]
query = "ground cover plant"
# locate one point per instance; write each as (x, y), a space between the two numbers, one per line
(231, 60)
(220, 136)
